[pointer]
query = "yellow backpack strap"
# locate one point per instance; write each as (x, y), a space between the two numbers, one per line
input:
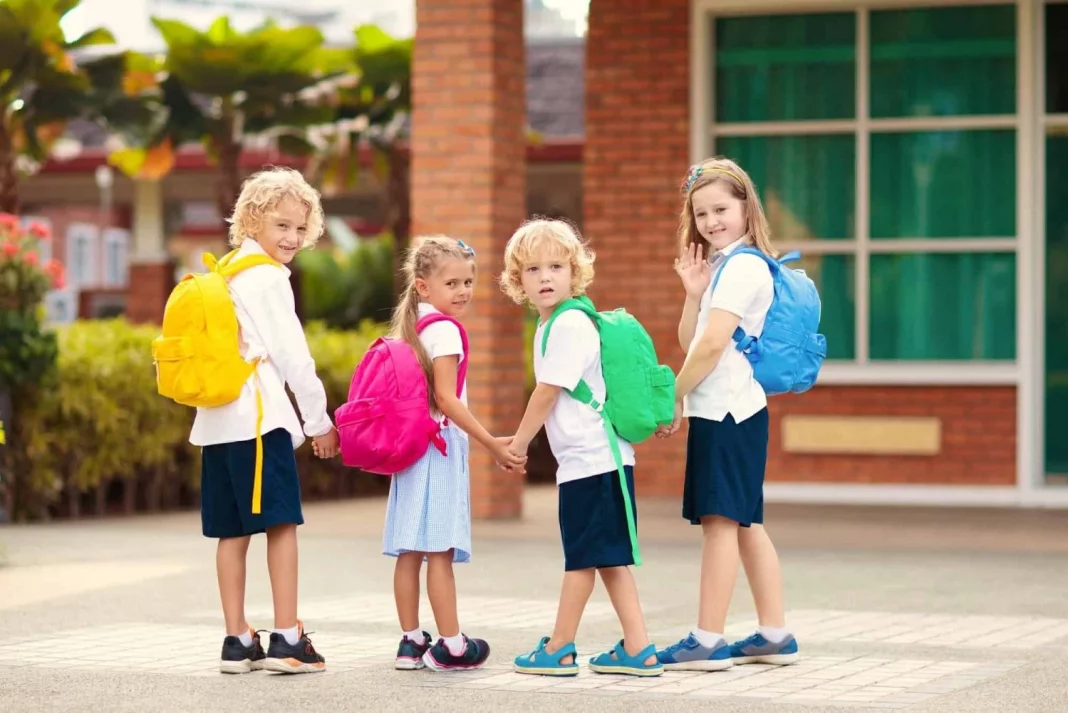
(228, 266)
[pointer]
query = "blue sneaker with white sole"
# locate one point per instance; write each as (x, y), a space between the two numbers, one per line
(691, 655)
(757, 649)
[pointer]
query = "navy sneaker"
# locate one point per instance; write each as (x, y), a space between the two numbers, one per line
(757, 649)
(410, 653)
(238, 658)
(691, 655)
(300, 657)
(439, 658)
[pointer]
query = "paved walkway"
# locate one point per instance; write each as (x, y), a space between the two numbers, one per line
(958, 610)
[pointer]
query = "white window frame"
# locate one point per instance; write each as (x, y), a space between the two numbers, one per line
(85, 274)
(862, 369)
(117, 239)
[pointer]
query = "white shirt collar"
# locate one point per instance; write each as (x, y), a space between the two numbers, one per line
(720, 254)
(249, 246)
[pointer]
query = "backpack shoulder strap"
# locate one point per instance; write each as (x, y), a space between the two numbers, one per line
(740, 337)
(230, 265)
(435, 317)
(582, 303)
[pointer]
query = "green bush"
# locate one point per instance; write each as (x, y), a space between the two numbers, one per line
(344, 289)
(102, 423)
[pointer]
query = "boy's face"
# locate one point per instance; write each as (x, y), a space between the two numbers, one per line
(547, 280)
(449, 287)
(284, 229)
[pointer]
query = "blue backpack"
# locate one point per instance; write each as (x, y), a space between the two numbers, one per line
(788, 354)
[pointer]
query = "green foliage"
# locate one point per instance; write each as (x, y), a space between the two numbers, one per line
(345, 289)
(104, 421)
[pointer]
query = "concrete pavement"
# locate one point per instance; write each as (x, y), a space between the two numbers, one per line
(924, 610)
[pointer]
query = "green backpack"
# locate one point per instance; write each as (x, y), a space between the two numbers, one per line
(640, 392)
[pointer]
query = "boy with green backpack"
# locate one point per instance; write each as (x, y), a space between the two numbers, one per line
(616, 394)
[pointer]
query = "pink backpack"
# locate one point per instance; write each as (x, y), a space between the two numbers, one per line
(385, 425)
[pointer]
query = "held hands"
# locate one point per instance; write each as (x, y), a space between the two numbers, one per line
(676, 423)
(694, 271)
(326, 445)
(508, 456)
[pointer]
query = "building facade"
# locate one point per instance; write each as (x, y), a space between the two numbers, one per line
(909, 149)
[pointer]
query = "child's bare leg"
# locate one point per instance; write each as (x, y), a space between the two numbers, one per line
(441, 590)
(574, 593)
(719, 570)
(230, 557)
(764, 573)
(623, 591)
(406, 589)
(282, 566)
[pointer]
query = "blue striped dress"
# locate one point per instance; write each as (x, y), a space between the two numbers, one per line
(429, 507)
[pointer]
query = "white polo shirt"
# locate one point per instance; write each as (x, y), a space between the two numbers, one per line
(269, 328)
(576, 432)
(745, 289)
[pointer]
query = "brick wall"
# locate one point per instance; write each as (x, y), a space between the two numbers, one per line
(636, 155)
(978, 435)
(469, 181)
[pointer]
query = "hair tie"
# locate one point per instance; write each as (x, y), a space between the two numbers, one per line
(466, 248)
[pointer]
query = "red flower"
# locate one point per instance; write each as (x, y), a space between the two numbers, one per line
(39, 231)
(10, 249)
(31, 258)
(57, 273)
(8, 221)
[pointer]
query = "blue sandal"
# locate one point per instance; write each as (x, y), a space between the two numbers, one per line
(540, 662)
(624, 663)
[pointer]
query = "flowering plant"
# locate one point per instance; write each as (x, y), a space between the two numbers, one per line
(27, 351)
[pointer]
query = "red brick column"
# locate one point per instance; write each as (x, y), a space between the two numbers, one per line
(150, 286)
(468, 181)
(636, 154)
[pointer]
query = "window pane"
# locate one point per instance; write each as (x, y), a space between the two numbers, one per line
(944, 61)
(1056, 59)
(937, 306)
(805, 182)
(834, 277)
(943, 184)
(1056, 303)
(785, 67)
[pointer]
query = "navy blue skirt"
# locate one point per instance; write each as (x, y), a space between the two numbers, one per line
(593, 521)
(227, 473)
(725, 464)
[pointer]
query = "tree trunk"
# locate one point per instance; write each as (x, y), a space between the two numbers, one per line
(399, 210)
(74, 502)
(129, 495)
(9, 193)
(102, 499)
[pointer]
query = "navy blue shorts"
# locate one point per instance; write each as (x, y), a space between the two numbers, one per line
(725, 464)
(593, 521)
(226, 476)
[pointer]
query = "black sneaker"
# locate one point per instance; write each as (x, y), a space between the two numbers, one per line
(410, 653)
(238, 658)
(300, 657)
(439, 658)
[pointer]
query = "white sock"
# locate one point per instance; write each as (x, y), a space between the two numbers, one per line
(707, 639)
(456, 644)
(292, 635)
(246, 638)
(415, 635)
(773, 634)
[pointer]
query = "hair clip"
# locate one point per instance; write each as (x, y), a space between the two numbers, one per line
(695, 172)
(466, 248)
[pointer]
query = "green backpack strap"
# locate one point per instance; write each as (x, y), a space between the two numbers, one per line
(582, 393)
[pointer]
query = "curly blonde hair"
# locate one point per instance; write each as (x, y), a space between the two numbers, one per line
(538, 237)
(730, 174)
(423, 257)
(260, 194)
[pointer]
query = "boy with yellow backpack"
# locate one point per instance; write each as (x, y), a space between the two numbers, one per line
(231, 342)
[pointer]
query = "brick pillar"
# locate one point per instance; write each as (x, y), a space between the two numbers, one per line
(636, 154)
(468, 181)
(151, 266)
(150, 285)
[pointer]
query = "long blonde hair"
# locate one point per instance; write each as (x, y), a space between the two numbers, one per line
(723, 170)
(422, 259)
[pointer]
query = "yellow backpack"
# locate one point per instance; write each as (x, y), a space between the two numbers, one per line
(197, 359)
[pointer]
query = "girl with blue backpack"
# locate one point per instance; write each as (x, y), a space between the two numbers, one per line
(748, 329)
(428, 515)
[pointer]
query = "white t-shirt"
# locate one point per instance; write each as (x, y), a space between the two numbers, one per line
(443, 339)
(745, 289)
(576, 432)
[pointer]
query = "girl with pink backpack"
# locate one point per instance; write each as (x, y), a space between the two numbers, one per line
(388, 424)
